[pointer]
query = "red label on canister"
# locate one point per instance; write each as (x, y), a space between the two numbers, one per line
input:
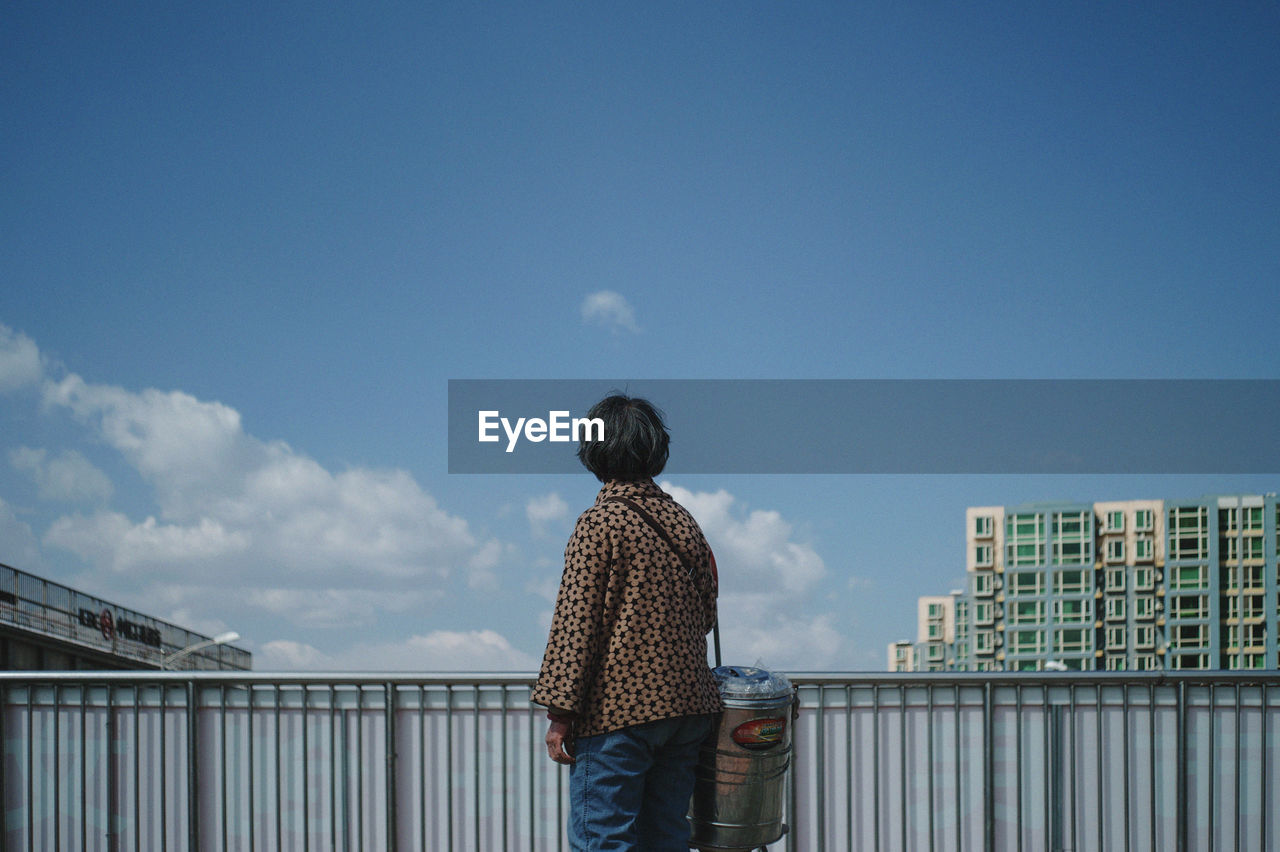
(760, 734)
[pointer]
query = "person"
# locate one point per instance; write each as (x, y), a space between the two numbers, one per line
(625, 676)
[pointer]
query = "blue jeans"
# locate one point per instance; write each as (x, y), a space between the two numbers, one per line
(629, 790)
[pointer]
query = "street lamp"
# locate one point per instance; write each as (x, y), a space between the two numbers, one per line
(220, 639)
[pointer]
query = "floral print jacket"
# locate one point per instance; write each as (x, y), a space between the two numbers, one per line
(628, 640)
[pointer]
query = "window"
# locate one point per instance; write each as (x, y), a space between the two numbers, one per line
(1252, 606)
(1115, 609)
(982, 555)
(1114, 522)
(1255, 635)
(982, 584)
(1115, 579)
(1189, 577)
(935, 653)
(1144, 636)
(982, 643)
(1026, 612)
(1228, 519)
(1253, 518)
(1115, 550)
(1115, 664)
(1024, 539)
(1189, 606)
(935, 610)
(1252, 576)
(1026, 583)
(1115, 638)
(1072, 525)
(1026, 642)
(1072, 641)
(935, 631)
(1142, 520)
(1143, 579)
(1073, 612)
(982, 612)
(1228, 549)
(982, 526)
(1142, 549)
(1143, 608)
(1072, 582)
(1189, 636)
(1069, 552)
(1253, 548)
(1146, 663)
(1189, 532)
(1189, 661)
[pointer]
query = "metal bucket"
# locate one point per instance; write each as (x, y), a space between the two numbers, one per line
(740, 777)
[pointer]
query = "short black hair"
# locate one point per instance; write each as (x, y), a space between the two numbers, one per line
(635, 440)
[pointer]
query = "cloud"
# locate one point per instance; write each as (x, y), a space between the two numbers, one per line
(111, 539)
(68, 477)
(757, 549)
(610, 310)
(545, 510)
(440, 650)
(20, 362)
(480, 568)
(292, 538)
(769, 585)
(18, 545)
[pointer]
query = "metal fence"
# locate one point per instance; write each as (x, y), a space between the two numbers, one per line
(231, 761)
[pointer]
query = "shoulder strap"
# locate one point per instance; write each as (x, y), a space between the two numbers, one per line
(648, 519)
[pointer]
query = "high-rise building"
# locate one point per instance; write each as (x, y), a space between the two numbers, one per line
(1128, 585)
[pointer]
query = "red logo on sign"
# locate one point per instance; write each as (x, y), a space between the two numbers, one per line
(107, 625)
(759, 734)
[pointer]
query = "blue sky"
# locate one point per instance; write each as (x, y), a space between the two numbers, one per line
(244, 249)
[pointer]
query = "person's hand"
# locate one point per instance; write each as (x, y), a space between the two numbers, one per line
(560, 743)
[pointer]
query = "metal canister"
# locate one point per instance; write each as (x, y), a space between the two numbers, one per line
(741, 773)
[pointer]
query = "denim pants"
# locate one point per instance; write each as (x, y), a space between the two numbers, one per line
(629, 789)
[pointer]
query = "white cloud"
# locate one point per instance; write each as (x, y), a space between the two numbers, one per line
(334, 607)
(110, 539)
(69, 476)
(225, 491)
(545, 510)
(289, 535)
(757, 549)
(18, 545)
(480, 569)
(769, 585)
(20, 363)
(610, 310)
(440, 650)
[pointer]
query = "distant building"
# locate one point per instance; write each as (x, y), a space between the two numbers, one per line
(45, 625)
(1130, 585)
(902, 656)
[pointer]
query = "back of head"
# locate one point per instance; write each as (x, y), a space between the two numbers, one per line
(635, 441)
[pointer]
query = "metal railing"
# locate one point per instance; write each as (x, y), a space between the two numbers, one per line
(222, 761)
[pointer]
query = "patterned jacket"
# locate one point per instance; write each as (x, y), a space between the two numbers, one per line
(628, 640)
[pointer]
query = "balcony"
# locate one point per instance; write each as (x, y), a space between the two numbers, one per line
(217, 761)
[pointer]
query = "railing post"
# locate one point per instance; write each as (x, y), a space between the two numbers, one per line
(193, 770)
(390, 731)
(988, 789)
(1182, 766)
(1054, 719)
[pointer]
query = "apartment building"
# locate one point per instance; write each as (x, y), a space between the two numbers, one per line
(1121, 585)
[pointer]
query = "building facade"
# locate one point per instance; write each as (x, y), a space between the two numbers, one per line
(1135, 585)
(49, 626)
